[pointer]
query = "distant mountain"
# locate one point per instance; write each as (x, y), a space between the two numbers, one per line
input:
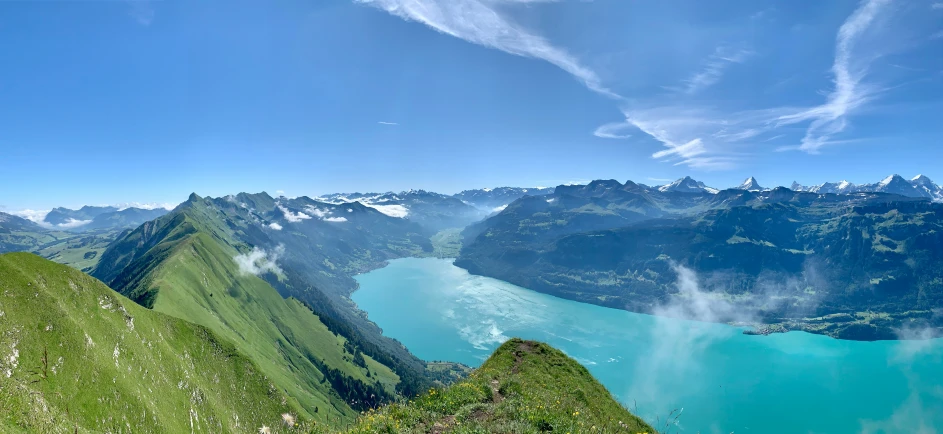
(615, 244)
(750, 185)
(843, 187)
(79, 250)
(493, 198)
(919, 186)
(432, 211)
(687, 185)
(65, 216)
(10, 223)
(90, 218)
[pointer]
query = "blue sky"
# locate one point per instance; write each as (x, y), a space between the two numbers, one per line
(112, 102)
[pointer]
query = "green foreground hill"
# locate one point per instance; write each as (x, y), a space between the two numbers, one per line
(77, 357)
(525, 387)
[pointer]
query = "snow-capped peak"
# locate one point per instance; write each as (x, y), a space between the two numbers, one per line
(890, 179)
(844, 184)
(750, 184)
(687, 185)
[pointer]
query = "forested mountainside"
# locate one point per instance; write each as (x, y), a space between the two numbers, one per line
(850, 266)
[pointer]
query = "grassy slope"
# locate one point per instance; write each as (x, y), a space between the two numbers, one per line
(525, 387)
(281, 335)
(176, 262)
(112, 364)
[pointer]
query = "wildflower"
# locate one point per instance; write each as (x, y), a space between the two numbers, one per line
(289, 419)
(265, 430)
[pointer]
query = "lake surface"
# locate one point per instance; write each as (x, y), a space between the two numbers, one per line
(723, 380)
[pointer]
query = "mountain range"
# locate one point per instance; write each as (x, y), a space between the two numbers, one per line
(831, 256)
(258, 286)
(919, 186)
(492, 199)
(91, 218)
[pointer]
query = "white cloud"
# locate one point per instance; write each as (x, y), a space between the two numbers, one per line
(275, 226)
(714, 69)
(499, 208)
(349, 210)
(937, 5)
(694, 137)
(398, 211)
(317, 212)
(615, 130)
(480, 22)
(73, 223)
(293, 217)
(849, 69)
(35, 216)
(392, 124)
(335, 219)
(259, 261)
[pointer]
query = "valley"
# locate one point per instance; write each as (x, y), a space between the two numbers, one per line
(277, 278)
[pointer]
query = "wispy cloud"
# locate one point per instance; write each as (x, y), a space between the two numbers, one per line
(711, 139)
(849, 70)
(292, 217)
(698, 138)
(35, 216)
(615, 130)
(481, 22)
(388, 123)
(937, 5)
(335, 219)
(73, 223)
(714, 68)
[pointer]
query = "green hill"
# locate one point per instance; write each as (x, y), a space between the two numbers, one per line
(185, 264)
(77, 357)
(525, 387)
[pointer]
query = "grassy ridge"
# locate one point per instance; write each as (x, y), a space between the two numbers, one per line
(525, 387)
(183, 264)
(200, 282)
(76, 357)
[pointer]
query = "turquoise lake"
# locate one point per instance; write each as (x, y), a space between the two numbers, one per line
(723, 380)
